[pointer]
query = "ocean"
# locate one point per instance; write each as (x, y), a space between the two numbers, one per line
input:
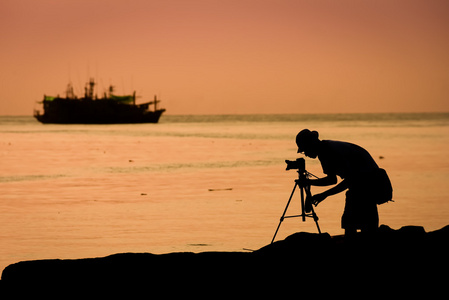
(198, 183)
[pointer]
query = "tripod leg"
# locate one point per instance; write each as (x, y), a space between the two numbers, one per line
(285, 210)
(303, 214)
(315, 218)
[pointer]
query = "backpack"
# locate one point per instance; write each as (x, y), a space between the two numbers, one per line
(374, 184)
(382, 189)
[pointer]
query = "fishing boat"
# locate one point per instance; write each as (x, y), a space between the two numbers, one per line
(90, 109)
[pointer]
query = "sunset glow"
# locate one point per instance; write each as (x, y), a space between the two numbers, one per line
(226, 57)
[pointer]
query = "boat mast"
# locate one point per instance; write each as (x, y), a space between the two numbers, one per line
(89, 89)
(69, 94)
(111, 90)
(155, 102)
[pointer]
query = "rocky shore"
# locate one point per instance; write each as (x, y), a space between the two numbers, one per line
(409, 258)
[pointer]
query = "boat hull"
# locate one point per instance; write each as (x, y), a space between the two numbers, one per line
(68, 111)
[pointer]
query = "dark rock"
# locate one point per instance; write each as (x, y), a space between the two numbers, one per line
(297, 243)
(306, 259)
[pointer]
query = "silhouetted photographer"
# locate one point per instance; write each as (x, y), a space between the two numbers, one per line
(367, 185)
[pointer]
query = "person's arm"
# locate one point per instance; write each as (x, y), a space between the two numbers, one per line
(332, 191)
(328, 180)
(325, 181)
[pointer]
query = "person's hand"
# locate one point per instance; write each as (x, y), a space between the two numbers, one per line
(313, 200)
(316, 199)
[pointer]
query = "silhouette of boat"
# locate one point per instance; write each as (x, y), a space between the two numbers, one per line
(111, 109)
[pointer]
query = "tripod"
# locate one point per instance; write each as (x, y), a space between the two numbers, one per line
(302, 175)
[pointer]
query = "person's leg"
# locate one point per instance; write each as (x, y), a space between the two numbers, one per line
(348, 219)
(370, 217)
(350, 233)
(369, 233)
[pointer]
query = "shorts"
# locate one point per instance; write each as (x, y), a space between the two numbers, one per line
(360, 211)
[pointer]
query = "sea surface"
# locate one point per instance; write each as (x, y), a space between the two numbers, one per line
(198, 183)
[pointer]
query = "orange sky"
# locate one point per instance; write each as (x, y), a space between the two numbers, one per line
(231, 56)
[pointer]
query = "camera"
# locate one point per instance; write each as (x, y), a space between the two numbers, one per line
(298, 164)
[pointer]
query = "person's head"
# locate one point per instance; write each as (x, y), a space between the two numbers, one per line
(308, 143)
